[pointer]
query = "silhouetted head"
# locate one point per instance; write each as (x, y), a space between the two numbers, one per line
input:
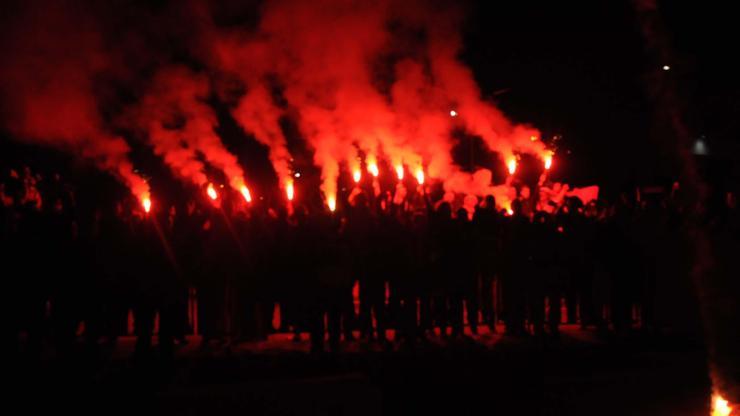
(516, 207)
(300, 214)
(462, 214)
(444, 210)
(490, 202)
(360, 200)
(541, 217)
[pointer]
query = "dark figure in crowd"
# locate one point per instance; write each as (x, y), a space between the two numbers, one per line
(222, 268)
(487, 226)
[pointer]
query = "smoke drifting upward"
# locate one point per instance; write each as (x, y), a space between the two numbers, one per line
(159, 115)
(249, 60)
(181, 126)
(373, 86)
(257, 115)
(326, 55)
(48, 92)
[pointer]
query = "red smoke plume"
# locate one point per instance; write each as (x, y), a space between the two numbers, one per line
(48, 89)
(375, 80)
(181, 126)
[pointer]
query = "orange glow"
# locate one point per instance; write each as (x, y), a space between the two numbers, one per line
(720, 406)
(511, 165)
(146, 202)
(373, 169)
(357, 175)
(211, 191)
(533, 138)
(399, 172)
(548, 161)
(420, 176)
(245, 192)
(331, 201)
(509, 211)
(289, 190)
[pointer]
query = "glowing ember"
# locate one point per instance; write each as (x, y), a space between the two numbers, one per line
(720, 406)
(399, 172)
(533, 138)
(511, 165)
(332, 203)
(245, 192)
(289, 190)
(211, 191)
(548, 161)
(453, 113)
(146, 202)
(357, 175)
(373, 169)
(420, 176)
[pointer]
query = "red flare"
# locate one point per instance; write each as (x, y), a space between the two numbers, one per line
(289, 190)
(511, 165)
(548, 162)
(720, 406)
(399, 172)
(331, 201)
(146, 202)
(420, 176)
(357, 175)
(211, 191)
(373, 169)
(245, 192)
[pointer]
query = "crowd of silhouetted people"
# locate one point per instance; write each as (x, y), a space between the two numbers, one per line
(74, 273)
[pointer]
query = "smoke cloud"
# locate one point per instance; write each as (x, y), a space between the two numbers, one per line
(370, 85)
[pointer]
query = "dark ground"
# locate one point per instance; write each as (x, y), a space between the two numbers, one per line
(581, 374)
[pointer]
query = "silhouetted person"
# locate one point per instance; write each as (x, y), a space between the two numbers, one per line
(518, 263)
(487, 227)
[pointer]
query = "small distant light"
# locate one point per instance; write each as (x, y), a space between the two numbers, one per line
(666, 68)
(533, 138)
(453, 113)
(700, 148)
(297, 174)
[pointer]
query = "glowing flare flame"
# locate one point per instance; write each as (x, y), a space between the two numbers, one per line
(289, 190)
(373, 169)
(332, 203)
(146, 202)
(399, 172)
(420, 176)
(720, 406)
(357, 175)
(211, 191)
(548, 161)
(511, 165)
(245, 192)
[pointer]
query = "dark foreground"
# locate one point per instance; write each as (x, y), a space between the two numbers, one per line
(579, 374)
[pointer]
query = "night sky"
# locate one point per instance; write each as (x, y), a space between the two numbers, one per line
(580, 70)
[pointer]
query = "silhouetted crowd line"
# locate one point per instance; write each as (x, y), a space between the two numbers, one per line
(68, 268)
